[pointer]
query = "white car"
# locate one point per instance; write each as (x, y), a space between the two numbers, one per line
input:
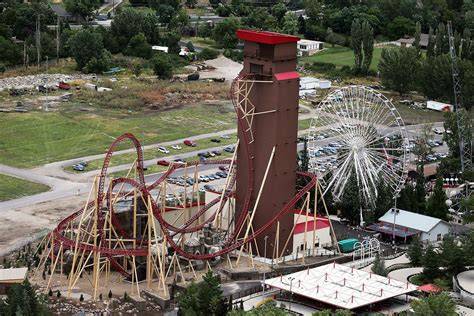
(437, 131)
(177, 147)
(163, 150)
(225, 136)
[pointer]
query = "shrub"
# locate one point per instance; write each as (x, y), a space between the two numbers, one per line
(322, 66)
(162, 66)
(234, 54)
(207, 53)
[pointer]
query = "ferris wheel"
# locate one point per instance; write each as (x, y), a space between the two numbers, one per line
(357, 133)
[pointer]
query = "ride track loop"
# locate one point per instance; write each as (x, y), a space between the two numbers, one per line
(168, 230)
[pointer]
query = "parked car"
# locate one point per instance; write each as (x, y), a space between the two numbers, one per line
(229, 149)
(216, 152)
(221, 174)
(437, 131)
(78, 167)
(209, 187)
(163, 150)
(215, 140)
(162, 163)
(83, 163)
(203, 178)
(177, 147)
(64, 86)
(189, 143)
(179, 160)
(223, 168)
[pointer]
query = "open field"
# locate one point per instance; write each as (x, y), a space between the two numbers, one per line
(341, 56)
(12, 188)
(36, 138)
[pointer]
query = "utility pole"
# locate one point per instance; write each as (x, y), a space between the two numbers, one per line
(57, 40)
(462, 117)
(38, 40)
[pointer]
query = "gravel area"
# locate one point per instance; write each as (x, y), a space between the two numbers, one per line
(30, 82)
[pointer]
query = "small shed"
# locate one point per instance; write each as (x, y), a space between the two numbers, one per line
(10, 277)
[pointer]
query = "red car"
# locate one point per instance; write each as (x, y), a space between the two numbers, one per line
(162, 163)
(189, 143)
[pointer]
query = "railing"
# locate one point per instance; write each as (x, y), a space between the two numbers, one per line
(278, 58)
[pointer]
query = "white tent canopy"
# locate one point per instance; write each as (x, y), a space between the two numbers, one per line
(341, 286)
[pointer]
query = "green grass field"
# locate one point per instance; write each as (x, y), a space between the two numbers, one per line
(36, 138)
(12, 188)
(341, 56)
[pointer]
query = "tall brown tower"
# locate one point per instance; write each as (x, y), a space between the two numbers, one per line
(269, 77)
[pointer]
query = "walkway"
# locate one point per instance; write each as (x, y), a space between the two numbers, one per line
(466, 280)
(388, 263)
(404, 274)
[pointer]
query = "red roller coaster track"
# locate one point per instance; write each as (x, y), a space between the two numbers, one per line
(168, 230)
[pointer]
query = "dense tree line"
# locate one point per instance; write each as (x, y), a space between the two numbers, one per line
(22, 300)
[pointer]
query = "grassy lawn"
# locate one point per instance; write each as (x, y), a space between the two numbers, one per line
(36, 138)
(12, 188)
(341, 56)
(201, 42)
(154, 153)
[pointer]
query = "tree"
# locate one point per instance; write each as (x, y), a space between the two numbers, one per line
(434, 305)
(431, 263)
(415, 251)
(10, 53)
(350, 202)
(301, 25)
(131, 22)
(205, 299)
(430, 49)
(384, 199)
(399, 27)
(110, 294)
(50, 292)
(85, 45)
(368, 46)
(356, 37)
(279, 11)
(82, 8)
(452, 256)
(100, 63)
(442, 43)
(191, 3)
(290, 24)
(379, 266)
(81, 298)
(416, 43)
(139, 47)
(205, 31)
(466, 43)
(398, 68)
(162, 66)
(224, 32)
(436, 205)
(172, 40)
(58, 294)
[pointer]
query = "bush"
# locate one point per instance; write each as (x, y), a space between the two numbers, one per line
(207, 53)
(97, 65)
(2, 68)
(162, 66)
(322, 66)
(234, 54)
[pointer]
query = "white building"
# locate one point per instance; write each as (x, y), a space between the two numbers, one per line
(317, 230)
(308, 47)
(405, 224)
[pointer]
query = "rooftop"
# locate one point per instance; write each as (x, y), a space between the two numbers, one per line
(312, 225)
(410, 220)
(266, 37)
(341, 286)
(13, 274)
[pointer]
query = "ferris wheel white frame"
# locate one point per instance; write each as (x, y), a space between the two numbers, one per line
(362, 120)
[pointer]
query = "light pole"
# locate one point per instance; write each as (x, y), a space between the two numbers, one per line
(395, 212)
(264, 269)
(291, 293)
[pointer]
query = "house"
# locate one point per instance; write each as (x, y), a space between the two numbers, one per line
(408, 41)
(308, 47)
(404, 224)
(10, 277)
(61, 12)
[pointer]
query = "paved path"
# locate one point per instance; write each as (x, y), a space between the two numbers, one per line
(466, 280)
(404, 274)
(388, 263)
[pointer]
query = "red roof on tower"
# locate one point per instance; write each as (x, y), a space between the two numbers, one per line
(266, 37)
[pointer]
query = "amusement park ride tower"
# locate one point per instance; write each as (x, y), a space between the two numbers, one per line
(267, 90)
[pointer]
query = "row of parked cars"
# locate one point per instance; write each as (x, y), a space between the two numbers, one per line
(329, 149)
(182, 180)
